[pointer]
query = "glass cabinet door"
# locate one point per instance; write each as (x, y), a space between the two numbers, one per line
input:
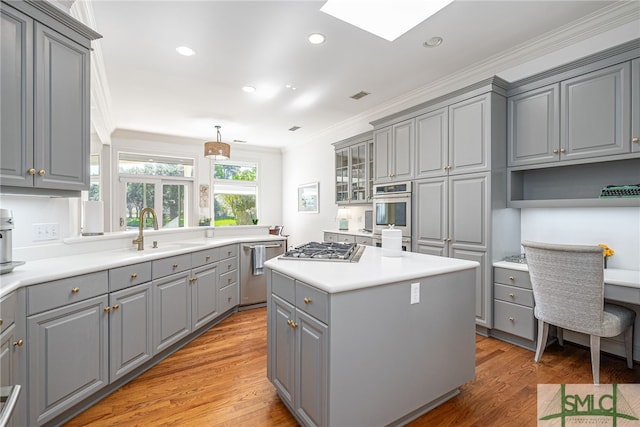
(358, 176)
(342, 176)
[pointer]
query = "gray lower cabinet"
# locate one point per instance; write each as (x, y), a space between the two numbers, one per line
(348, 238)
(454, 219)
(12, 353)
(130, 329)
(635, 106)
(171, 310)
(45, 99)
(298, 343)
(204, 295)
(68, 356)
(513, 306)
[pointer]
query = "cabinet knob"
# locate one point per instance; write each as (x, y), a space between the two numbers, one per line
(107, 309)
(41, 172)
(511, 319)
(511, 278)
(31, 171)
(175, 266)
(134, 275)
(207, 258)
(307, 300)
(229, 279)
(555, 151)
(228, 266)
(229, 299)
(193, 279)
(635, 140)
(562, 150)
(117, 306)
(1, 322)
(18, 343)
(512, 296)
(75, 290)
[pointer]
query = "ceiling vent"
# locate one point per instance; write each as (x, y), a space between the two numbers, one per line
(294, 128)
(359, 95)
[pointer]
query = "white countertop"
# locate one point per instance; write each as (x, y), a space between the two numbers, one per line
(373, 269)
(54, 268)
(612, 276)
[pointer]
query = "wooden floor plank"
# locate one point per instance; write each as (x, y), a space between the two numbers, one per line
(219, 379)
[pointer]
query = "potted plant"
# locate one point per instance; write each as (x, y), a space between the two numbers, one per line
(204, 222)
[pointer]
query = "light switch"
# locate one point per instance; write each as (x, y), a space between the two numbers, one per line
(415, 293)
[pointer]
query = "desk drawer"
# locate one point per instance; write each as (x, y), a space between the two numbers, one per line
(622, 293)
(512, 277)
(312, 301)
(130, 275)
(513, 294)
(66, 291)
(514, 319)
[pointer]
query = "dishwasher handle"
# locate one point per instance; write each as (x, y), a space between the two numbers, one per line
(9, 404)
(279, 245)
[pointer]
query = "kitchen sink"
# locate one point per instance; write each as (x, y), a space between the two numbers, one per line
(166, 247)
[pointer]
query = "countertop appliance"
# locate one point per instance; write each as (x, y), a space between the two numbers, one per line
(392, 205)
(253, 287)
(326, 251)
(7, 264)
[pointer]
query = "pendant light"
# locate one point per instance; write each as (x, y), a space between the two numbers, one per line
(217, 150)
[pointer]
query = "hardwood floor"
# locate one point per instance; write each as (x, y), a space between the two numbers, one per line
(219, 379)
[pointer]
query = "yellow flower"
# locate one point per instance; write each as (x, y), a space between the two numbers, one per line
(607, 251)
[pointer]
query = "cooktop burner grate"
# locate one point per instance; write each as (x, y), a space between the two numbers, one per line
(325, 251)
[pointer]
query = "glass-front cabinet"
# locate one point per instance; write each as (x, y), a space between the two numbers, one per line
(354, 169)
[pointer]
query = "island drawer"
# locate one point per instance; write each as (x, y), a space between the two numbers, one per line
(229, 298)
(228, 251)
(226, 265)
(312, 301)
(201, 258)
(130, 275)
(66, 291)
(283, 286)
(513, 294)
(514, 319)
(7, 311)
(171, 265)
(512, 277)
(227, 278)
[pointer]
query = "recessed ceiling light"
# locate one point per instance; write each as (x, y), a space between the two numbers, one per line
(316, 38)
(433, 42)
(185, 51)
(294, 128)
(387, 19)
(249, 89)
(290, 87)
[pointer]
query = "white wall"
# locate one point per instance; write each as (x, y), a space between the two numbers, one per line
(618, 228)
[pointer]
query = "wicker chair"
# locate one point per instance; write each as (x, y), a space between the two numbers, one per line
(568, 289)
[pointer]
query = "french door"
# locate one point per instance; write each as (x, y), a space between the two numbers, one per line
(169, 198)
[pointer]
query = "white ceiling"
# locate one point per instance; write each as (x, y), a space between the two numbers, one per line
(264, 44)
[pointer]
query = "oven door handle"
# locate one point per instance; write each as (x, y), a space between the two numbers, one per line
(10, 403)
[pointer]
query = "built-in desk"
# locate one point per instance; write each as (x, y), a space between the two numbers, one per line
(519, 326)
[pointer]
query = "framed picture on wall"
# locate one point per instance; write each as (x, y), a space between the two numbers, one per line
(308, 198)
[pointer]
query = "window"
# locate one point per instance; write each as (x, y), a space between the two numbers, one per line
(235, 189)
(162, 183)
(94, 172)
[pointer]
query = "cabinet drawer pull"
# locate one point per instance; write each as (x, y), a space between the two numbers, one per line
(511, 319)
(207, 258)
(75, 290)
(562, 150)
(117, 306)
(512, 296)
(307, 300)
(229, 299)
(193, 279)
(1, 322)
(229, 253)
(107, 309)
(175, 266)
(555, 151)
(18, 343)
(31, 171)
(228, 266)
(229, 279)
(512, 278)
(134, 276)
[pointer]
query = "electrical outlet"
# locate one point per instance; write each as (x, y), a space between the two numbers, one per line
(40, 232)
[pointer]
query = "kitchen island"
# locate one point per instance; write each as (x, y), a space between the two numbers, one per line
(375, 342)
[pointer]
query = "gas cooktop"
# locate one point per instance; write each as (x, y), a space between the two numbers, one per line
(325, 251)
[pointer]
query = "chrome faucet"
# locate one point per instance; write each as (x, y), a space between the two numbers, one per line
(140, 240)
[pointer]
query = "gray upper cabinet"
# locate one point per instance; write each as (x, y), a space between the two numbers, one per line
(596, 113)
(534, 128)
(635, 105)
(432, 143)
(45, 100)
(470, 135)
(394, 147)
(354, 169)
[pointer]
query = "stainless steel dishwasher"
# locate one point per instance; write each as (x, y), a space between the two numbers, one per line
(253, 288)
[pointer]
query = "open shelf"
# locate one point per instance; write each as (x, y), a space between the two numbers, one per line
(576, 185)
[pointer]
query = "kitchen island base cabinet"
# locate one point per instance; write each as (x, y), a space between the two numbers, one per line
(370, 356)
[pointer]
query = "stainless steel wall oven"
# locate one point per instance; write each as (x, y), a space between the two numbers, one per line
(392, 205)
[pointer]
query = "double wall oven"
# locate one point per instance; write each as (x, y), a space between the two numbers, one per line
(392, 206)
